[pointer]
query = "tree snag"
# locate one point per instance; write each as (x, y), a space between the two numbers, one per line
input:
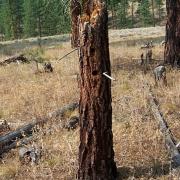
(75, 9)
(96, 155)
(172, 47)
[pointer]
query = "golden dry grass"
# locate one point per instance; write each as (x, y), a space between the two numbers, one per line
(139, 146)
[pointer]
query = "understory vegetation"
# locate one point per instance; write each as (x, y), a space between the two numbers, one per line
(139, 146)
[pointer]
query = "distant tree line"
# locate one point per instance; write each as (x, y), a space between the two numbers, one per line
(30, 18)
(136, 13)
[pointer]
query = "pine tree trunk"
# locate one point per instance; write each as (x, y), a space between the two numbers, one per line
(96, 155)
(153, 16)
(132, 14)
(172, 47)
(75, 9)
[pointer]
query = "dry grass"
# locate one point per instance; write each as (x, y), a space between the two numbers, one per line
(139, 146)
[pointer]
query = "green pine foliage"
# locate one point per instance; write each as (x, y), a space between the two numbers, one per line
(29, 20)
(122, 13)
(145, 13)
(32, 18)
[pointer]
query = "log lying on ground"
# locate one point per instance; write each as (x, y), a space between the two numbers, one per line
(61, 112)
(8, 141)
(16, 144)
(15, 59)
(9, 138)
(169, 139)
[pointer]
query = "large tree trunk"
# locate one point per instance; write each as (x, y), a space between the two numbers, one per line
(96, 155)
(75, 9)
(172, 48)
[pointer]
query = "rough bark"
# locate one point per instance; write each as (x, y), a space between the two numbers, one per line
(96, 155)
(75, 9)
(172, 47)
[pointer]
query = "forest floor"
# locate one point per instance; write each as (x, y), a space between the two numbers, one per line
(139, 146)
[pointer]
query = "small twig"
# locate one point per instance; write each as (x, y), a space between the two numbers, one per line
(67, 54)
(105, 74)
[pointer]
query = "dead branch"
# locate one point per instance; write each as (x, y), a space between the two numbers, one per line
(67, 54)
(169, 139)
(11, 137)
(9, 140)
(15, 59)
(16, 144)
(61, 112)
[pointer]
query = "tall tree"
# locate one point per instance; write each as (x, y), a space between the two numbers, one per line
(122, 13)
(75, 13)
(11, 14)
(144, 12)
(153, 15)
(132, 12)
(112, 6)
(160, 9)
(30, 18)
(96, 155)
(172, 47)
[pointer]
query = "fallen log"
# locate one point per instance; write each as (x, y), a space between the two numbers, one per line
(169, 139)
(16, 144)
(15, 59)
(9, 140)
(61, 112)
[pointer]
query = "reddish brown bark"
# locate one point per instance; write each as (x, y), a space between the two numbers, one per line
(172, 47)
(96, 155)
(75, 9)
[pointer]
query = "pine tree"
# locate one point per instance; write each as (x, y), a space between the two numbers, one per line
(2, 30)
(30, 18)
(7, 20)
(63, 24)
(122, 13)
(12, 13)
(144, 12)
(159, 4)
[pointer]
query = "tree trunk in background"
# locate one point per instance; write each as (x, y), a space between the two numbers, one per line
(75, 9)
(172, 47)
(96, 155)
(113, 16)
(132, 14)
(153, 16)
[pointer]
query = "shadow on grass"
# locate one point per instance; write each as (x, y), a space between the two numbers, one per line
(156, 171)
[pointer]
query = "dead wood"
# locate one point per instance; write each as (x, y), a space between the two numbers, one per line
(15, 59)
(169, 139)
(16, 144)
(27, 130)
(4, 127)
(9, 140)
(59, 113)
